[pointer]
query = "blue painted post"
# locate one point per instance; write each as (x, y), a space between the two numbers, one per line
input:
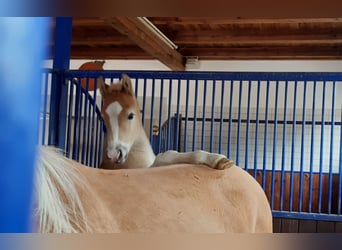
(22, 46)
(59, 91)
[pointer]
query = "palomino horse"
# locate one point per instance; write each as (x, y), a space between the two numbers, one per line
(71, 197)
(126, 144)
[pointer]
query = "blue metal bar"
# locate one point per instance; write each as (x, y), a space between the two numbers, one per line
(239, 125)
(332, 128)
(59, 89)
(203, 114)
(169, 117)
(212, 116)
(321, 150)
(45, 107)
(195, 117)
(221, 118)
(283, 153)
(91, 154)
(100, 143)
(274, 153)
(256, 130)
(302, 150)
(312, 144)
(178, 114)
(265, 136)
(306, 216)
(293, 143)
(71, 85)
(98, 146)
(20, 97)
(84, 128)
(77, 121)
(152, 113)
(252, 76)
(186, 116)
(340, 171)
(229, 146)
(248, 123)
(144, 104)
(160, 114)
(89, 127)
(136, 88)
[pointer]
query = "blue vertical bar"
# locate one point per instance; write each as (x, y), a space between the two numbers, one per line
(136, 88)
(44, 107)
(283, 152)
(221, 117)
(274, 153)
(169, 117)
(160, 114)
(332, 128)
(77, 121)
(265, 136)
(302, 149)
(239, 125)
(294, 121)
(203, 114)
(178, 115)
(195, 117)
(256, 130)
(101, 141)
(340, 169)
(321, 150)
(212, 117)
(89, 124)
(22, 50)
(97, 144)
(186, 115)
(229, 148)
(152, 109)
(93, 129)
(69, 119)
(144, 103)
(248, 122)
(85, 127)
(61, 61)
(312, 145)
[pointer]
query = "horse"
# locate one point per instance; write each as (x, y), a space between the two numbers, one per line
(178, 197)
(126, 144)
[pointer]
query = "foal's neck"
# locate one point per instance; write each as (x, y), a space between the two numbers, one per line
(141, 154)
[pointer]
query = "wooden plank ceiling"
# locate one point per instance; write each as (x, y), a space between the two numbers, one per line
(206, 39)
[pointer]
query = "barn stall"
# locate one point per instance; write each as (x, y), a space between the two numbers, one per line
(282, 127)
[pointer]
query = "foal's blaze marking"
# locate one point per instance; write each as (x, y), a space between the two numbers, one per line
(113, 111)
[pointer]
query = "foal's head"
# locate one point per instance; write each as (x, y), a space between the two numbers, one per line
(122, 118)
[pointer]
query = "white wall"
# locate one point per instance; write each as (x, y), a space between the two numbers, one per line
(236, 65)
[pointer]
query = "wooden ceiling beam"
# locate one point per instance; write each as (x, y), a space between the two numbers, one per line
(266, 52)
(148, 41)
(240, 21)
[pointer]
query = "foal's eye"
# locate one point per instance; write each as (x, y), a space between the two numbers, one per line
(130, 116)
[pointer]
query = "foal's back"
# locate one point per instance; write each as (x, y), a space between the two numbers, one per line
(178, 198)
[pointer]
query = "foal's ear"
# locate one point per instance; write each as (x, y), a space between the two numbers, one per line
(102, 86)
(126, 84)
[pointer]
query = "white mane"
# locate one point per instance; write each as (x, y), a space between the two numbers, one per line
(54, 186)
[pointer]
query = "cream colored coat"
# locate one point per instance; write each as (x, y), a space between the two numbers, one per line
(176, 198)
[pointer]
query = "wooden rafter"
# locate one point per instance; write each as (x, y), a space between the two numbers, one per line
(142, 36)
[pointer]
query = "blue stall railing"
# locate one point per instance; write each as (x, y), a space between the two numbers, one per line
(283, 128)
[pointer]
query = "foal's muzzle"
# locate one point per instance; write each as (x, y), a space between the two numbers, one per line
(117, 155)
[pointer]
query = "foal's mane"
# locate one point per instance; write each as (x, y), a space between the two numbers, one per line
(59, 208)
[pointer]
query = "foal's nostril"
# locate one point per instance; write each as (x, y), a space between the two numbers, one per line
(119, 154)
